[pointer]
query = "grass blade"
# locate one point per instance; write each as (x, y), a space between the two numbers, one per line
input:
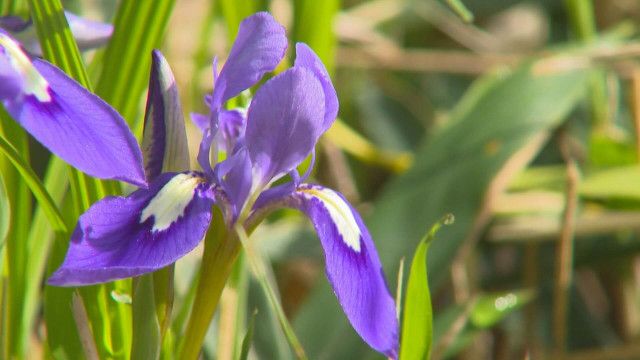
(36, 186)
(246, 342)
(266, 282)
(417, 324)
(138, 28)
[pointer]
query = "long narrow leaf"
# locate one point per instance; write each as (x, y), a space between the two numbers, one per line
(36, 186)
(5, 214)
(417, 324)
(138, 28)
(260, 272)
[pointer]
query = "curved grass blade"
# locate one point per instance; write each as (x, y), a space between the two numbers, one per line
(246, 342)
(417, 322)
(36, 186)
(265, 279)
(60, 48)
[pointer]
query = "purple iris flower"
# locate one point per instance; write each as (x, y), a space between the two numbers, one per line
(88, 34)
(121, 237)
(66, 118)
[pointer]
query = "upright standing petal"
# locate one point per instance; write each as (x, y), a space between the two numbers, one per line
(352, 265)
(259, 47)
(284, 122)
(165, 139)
(305, 57)
(66, 118)
(120, 237)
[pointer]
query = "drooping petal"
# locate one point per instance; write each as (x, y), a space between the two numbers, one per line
(352, 265)
(284, 122)
(259, 46)
(165, 139)
(89, 34)
(305, 57)
(66, 118)
(120, 237)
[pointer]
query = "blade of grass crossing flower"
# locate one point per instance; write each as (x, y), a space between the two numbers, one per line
(246, 341)
(146, 328)
(265, 279)
(60, 48)
(417, 324)
(138, 28)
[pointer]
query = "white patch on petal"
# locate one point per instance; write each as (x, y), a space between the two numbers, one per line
(340, 214)
(35, 84)
(170, 202)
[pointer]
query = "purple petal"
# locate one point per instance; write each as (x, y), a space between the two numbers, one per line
(201, 121)
(231, 128)
(89, 34)
(82, 129)
(66, 118)
(165, 139)
(259, 46)
(305, 57)
(234, 174)
(352, 266)
(284, 122)
(14, 23)
(120, 237)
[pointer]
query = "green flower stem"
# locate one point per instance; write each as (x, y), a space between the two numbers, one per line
(221, 249)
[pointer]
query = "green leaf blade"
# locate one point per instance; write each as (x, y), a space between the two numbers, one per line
(417, 322)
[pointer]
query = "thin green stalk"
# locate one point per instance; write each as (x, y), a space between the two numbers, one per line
(266, 281)
(31, 180)
(583, 23)
(221, 249)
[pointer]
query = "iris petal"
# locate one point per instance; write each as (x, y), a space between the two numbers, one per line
(165, 139)
(66, 118)
(305, 57)
(352, 265)
(259, 46)
(120, 237)
(284, 122)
